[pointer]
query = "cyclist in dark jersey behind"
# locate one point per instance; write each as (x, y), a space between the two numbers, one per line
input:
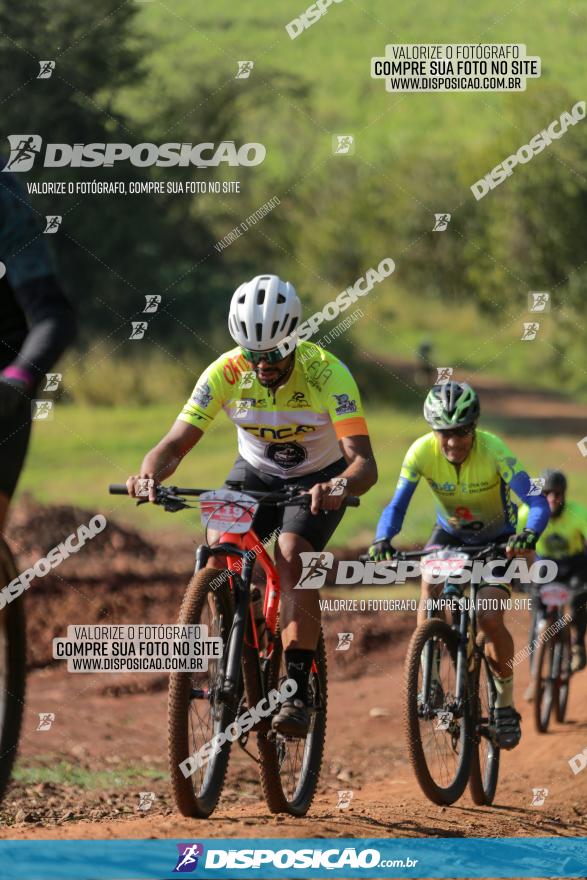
(37, 324)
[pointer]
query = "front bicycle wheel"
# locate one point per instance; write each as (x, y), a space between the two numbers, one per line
(545, 685)
(12, 670)
(290, 768)
(197, 708)
(563, 670)
(485, 755)
(438, 724)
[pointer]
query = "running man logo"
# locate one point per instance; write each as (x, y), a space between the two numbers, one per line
(345, 797)
(42, 410)
(441, 222)
(46, 69)
(314, 569)
(539, 302)
(53, 222)
(46, 719)
(443, 375)
(344, 641)
(23, 151)
(152, 303)
(443, 720)
(138, 329)
(246, 380)
(539, 795)
(582, 446)
(187, 860)
(146, 800)
(343, 144)
(536, 486)
(244, 69)
(530, 330)
(52, 381)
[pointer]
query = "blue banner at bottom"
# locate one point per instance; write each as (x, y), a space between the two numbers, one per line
(290, 858)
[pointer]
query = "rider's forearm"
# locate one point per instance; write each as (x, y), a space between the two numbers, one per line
(162, 461)
(360, 475)
(392, 517)
(538, 510)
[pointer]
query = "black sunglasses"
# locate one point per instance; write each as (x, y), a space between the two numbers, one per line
(465, 431)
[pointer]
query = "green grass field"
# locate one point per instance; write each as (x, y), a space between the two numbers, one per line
(74, 457)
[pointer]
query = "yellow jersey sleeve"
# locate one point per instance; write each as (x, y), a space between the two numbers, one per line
(206, 399)
(344, 407)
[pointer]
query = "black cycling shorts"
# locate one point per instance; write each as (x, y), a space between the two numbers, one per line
(15, 432)
(317, 529)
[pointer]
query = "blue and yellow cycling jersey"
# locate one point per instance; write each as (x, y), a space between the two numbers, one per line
(565, 535)
(473, 499)
(287, 431)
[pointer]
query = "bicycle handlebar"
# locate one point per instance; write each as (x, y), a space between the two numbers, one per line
(294, 495)
(480, 549)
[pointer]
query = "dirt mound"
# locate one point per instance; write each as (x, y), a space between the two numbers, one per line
(34, 529)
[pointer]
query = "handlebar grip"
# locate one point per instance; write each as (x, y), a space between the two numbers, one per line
(117, 489)
(353, 501)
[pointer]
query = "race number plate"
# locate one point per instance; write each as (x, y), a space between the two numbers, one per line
(442, 563)
(227, 511)
(554, 594)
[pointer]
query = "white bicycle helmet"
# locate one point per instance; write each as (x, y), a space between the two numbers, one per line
(263, 313)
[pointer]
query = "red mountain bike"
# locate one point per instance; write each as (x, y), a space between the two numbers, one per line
(205, 704)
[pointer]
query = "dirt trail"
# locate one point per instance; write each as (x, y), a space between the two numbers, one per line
(103, 729)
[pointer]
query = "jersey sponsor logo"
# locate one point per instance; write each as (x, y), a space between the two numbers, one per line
(297, 400)
(344, 406)
(202, 395)
(318, 374)
(556, 544)
(233, 368)
(286, 455)
(268, 431)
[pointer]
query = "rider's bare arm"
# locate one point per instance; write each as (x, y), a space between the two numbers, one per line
(360, 474)
(162, 461)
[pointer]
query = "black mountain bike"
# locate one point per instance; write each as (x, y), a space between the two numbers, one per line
(551, 663)
(12, 669)
(203, 705)
(450, 692)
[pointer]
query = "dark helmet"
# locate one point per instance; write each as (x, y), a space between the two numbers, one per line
(554, 481)
(451, 405)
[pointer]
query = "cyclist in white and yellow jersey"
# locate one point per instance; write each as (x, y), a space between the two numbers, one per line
(471, 473)
(299, 420)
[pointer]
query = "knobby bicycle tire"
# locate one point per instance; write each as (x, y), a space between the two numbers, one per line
(483, 779)
(436, 793)
(201, 803)
(278, 800)
(545, 687)
(564, 672)
(13, 649)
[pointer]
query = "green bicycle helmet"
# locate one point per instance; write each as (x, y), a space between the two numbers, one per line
(451, 405)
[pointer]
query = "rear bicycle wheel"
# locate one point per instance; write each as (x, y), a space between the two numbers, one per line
(12, 670)
(545, 686)
(438, 726)
(197, 708)
(563, 669)
(290, 768)
(485, 756)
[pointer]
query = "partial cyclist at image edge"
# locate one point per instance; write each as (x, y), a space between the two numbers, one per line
(37, 324)
(564, 541)
(471, 473)
(300, 421)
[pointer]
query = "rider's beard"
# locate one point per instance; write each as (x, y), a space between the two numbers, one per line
(279, 377)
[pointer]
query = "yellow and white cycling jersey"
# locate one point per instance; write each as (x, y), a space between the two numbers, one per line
(288, 431)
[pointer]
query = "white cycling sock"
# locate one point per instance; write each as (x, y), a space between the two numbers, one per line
(505, 691)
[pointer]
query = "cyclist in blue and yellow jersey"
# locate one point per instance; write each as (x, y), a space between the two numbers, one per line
(564, 540)
(471, 473)
(37, 324)
(299, 420)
